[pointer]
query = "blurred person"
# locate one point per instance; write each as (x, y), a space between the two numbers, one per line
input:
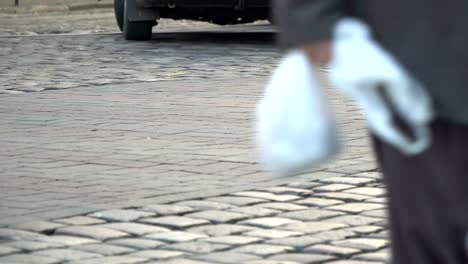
(428, 192)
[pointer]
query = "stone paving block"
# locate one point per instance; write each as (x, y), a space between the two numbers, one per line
(331, 250)
(167, 209)
(363, 243)
(65, 254)
(121, 215)
(218, 216)
(268, 196)
(104, 249)
(38, 226)
(382, 257)
(347, 197)
(282, 206)
(137, 243)
(227, 257)
(94, 232)
(232, 240)
(318, 202)
(302, 258)
(317, 238)
(383, 223)
(221, 229)
(255, 211)
(80, 220)
(196, 247)
(310, 214)
(368, 174)
(351, 262)
(286, 190)
(135, 228)
(7, 234)
(263, 250)
(28, 259)
(348, 180)
(5, 250)
(377, 213)
(236, 200)
(266, 261)
(156, 254)
(67, 240)
(174, 221)
(110, 260)
(268, 222)
(335, 187)
(333, 235)
(382, 200)
(175, 236)
(354, 220)
(356, 207)
(384, 234)
(312, 227)
(364, 166)
(205, 205)
(365, 229)
(272, 233)
(296, 241)
(32, 245)
(183, 261)
(305, 184)
(370, 191)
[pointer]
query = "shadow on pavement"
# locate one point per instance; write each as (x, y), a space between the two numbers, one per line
(216, 37)
(252, 34)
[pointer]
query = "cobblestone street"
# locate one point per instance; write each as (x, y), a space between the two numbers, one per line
(142, 152)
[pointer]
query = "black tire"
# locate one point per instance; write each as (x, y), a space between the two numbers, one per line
(136, 30)
(141, 30)
(119, 12)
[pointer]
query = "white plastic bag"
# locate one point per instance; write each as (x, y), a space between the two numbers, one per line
(381, 86)
(295, 128)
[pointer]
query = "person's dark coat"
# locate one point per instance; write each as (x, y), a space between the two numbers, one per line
(429, 37)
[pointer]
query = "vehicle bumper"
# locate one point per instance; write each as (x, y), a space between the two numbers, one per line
(235, 4)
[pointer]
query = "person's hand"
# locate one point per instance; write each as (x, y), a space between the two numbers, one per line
(319, 53)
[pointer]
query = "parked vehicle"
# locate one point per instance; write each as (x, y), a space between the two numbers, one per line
(136, 18)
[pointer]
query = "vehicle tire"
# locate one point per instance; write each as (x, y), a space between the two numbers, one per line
(136, 30)
(119, 12)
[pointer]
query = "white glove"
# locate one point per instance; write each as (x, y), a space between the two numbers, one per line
(295, 129)
(382, 88)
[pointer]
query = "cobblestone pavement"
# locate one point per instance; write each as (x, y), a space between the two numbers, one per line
(29, 3)
(81, 22)
(108, 59)
(89, 21)
(141, 152)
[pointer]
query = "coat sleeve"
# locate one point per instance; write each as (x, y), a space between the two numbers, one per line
(305, 21)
